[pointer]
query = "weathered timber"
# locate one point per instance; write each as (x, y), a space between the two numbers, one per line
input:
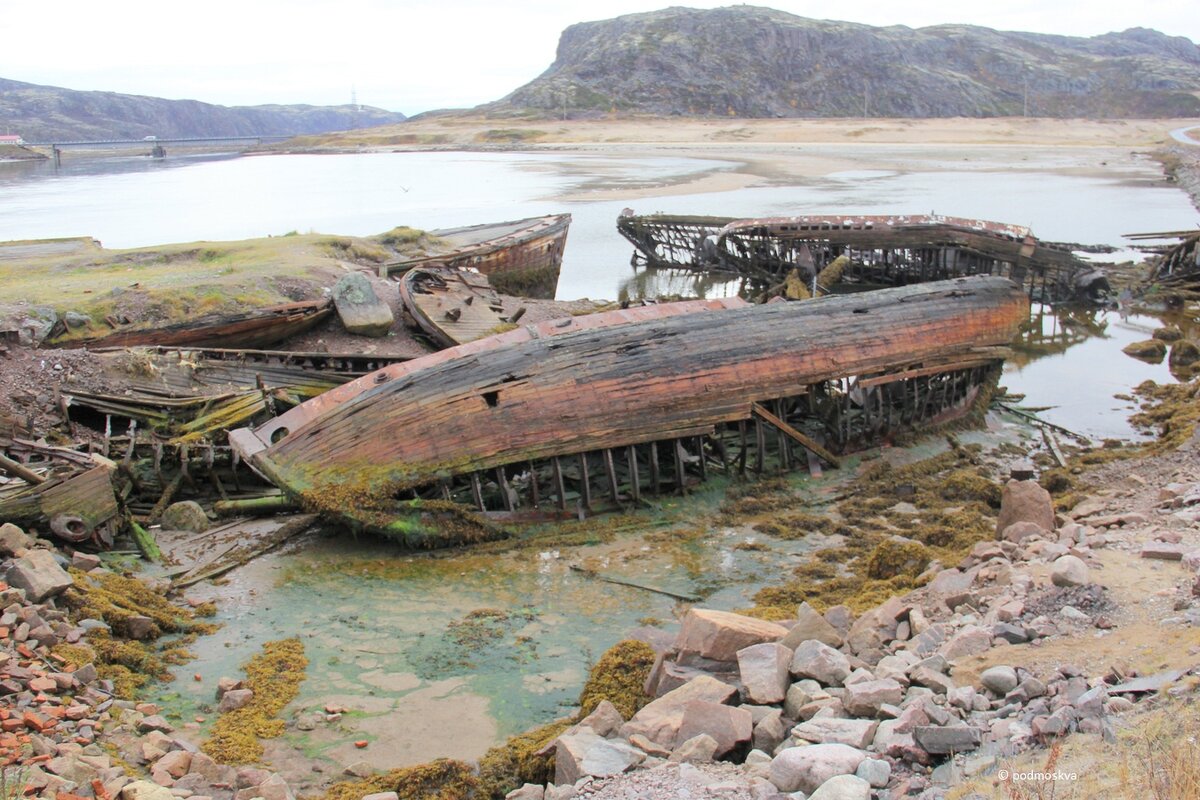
(265, 434)
(19, 470)
(249, 329)
(806, 442)
(1180, 264)
(876, 250)
(522, 257)
(671, 378)
(591, 573)
(455, 306)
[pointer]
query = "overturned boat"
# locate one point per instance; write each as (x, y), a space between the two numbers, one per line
(881, 250)
(256, 328)
(520, 257)
(607, 412)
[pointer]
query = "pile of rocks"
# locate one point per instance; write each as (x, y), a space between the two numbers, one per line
(832, 707)
(54, 716)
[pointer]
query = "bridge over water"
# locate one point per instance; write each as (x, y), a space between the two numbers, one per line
(154, 142)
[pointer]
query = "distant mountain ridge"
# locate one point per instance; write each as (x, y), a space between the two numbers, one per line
(758, 62)
(43, 113)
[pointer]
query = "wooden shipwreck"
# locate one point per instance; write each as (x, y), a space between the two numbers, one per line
(890, 250)
(607, 412)
(521, 257)
(256, 328)
(454, 306)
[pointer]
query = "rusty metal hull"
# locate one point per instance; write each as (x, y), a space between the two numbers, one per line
(890, 250)
(522, 257)
(610, 387)
(258, 328)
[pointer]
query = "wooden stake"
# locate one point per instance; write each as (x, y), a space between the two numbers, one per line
(803, 440)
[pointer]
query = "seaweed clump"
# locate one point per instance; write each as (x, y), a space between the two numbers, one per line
(619, 677)
(899, 521)
(444, 779)
(116, 599)
(274, 676)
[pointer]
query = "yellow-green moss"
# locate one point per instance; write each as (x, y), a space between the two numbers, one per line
(274, 676)
(893, 557)
(129, 664)
(619, 677)
(516, 762)
(444, 779)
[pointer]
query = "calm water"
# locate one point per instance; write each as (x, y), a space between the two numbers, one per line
(392, 637)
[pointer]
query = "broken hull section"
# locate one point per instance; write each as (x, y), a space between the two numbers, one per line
(882, 250)
(522, 257)
(658, 395)
(257, 328)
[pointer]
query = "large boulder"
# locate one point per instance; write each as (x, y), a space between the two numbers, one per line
(843, 787)
(764, 672)
(1069, 571)
(729, 726)
(39, 575)
(586, 753)
(864, 699)
(820, 662)
(823, 730)
(804, 769)
(719, 635)
(1025, 501)
(811, 625)
(186, 515)
(659, 721)
(361, 310)
(13, 540)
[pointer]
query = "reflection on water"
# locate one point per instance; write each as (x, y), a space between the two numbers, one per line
(1070, 360)
(652, 283)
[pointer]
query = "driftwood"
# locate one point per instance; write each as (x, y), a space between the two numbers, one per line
(687, 598)
(241, 556)
(19, 470)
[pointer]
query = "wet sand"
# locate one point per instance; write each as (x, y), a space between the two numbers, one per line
(772, 152)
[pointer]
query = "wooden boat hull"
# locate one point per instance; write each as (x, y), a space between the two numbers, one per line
(455, 306)
(521, 257)
(254, 329)
(601, 388)
(883, 250)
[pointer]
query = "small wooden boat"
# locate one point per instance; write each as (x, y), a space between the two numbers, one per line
(454, 306)
(256, 328)
(520, 257)
(499, 424)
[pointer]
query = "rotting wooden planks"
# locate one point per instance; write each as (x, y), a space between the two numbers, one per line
(607, 387)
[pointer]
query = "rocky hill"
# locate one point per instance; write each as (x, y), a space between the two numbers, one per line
(40, 113)
(758, 62)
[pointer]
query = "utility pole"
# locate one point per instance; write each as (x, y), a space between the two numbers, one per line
(1025, 98)
(866, 97)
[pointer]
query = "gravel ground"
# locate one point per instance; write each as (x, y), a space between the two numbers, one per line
(674, 782)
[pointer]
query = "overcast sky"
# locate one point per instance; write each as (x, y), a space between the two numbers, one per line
(417, 55)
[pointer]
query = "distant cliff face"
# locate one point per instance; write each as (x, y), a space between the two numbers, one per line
(42, 113)
(757, 62)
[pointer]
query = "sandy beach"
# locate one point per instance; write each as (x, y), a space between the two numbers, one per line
(773, 152)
